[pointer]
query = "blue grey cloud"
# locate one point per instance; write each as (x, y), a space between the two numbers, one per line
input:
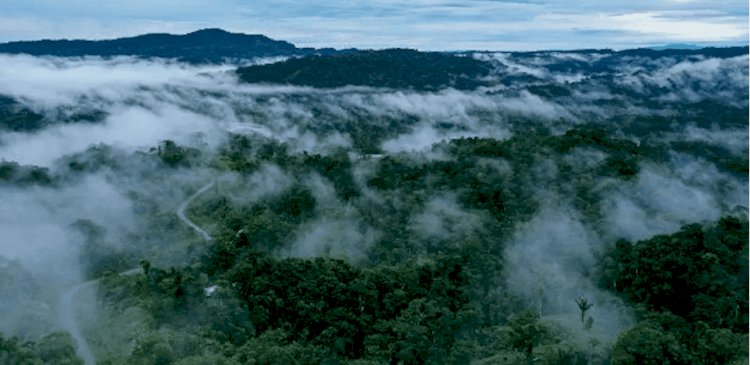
(423, 24)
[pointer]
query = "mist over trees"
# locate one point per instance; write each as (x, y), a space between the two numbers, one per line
(392, 68)
(373, 207)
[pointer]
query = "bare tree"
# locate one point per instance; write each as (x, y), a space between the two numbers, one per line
(584, 306)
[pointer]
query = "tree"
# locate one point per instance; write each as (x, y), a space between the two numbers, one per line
(648, 344)
(584, 305)
(721, 346)
(13, 352)
(526, 333)
(55, 348)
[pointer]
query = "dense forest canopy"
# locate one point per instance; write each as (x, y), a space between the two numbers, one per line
(373, 207)
(392, 68)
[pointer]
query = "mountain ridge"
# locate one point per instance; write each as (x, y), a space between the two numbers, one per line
(210, 45)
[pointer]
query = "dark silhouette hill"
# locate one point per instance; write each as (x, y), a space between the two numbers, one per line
(392, 68)
(202, 46)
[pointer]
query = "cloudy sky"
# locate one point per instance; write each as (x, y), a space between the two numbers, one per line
(422, 24)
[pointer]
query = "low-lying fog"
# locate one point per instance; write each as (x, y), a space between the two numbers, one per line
(137, 104)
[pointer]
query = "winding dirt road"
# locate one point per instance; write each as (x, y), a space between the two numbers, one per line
(66, 314)
(67, 311)
(186, 220)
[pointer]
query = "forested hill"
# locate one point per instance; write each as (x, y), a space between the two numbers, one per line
(597, 61)
(717, 52)
(392, 68)
(430, 71)
(547, 208)
(203, 46)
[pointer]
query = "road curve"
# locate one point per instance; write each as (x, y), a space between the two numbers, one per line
(67, 315)
(186, 220)
(66, 311)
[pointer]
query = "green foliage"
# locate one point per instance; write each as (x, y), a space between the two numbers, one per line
(393, 68)
(394, 172)
(97, 256)
(245, 157)
(93, 159)
(55, 348)
(15, 174)
(650, 344)
(696, 273)
(354, 312)
(719, 156)
(392, 311)
(429, 284)
(697, 278)
(173, 155)
(721, 346)
(593, 136)
(526, 332)
(13, 352)
(14, 116)
(620, 165)
(166, 347)
(265, 226)
(273, 347)
(337, 168)
(413, 300)
(296, 204)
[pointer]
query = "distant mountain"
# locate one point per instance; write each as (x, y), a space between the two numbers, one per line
(203, 46)
(676, 46)
(719, 52)
(597, 61)
(653, 52)
(392, 68)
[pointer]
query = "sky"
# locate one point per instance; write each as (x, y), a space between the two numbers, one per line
(422, 24)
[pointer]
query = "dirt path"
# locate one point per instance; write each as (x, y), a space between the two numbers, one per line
(186, 220)
(68, 321)
(67, 315)
(67, 311)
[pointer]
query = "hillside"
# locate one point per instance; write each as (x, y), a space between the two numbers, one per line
(203, 46)
(374, 207)
(392, 68)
